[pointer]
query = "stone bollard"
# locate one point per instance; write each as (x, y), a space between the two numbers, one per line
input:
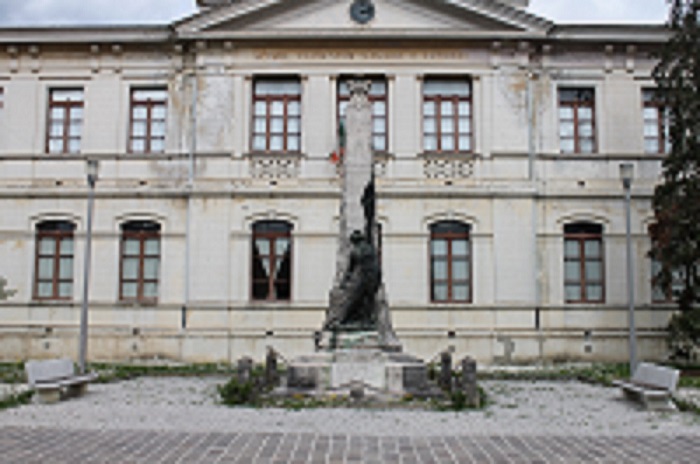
(271, 373)
(468, 383)
(445, 376)
(244, 370)
(357, 391)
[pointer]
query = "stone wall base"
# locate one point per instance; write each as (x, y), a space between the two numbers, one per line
(210, 346)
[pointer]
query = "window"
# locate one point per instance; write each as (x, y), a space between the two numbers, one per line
(660, 294)
(65, 120)
(378, 99)
(54, 261)
(140, 263)
(450, 262)
(657, 138)
(147, 128)
(277, 115)
(447, 115)
(577, 120)
(272, 261)
(583, 263)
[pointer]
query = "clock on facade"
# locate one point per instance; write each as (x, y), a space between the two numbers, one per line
(362, 11)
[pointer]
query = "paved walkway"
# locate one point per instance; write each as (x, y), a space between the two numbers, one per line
(46, 446)
(177, 420)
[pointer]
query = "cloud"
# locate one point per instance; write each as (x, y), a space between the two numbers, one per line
(62, 12)
(601, 11)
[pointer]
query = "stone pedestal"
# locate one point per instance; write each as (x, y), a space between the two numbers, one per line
(379, 372)
(362, 340)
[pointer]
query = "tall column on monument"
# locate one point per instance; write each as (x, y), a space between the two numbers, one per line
(357, 164)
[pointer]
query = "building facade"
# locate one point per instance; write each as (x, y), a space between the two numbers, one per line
(498, 138)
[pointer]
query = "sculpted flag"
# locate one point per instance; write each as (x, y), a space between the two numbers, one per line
(337, 155)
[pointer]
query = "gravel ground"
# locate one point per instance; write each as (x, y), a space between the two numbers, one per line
(517, 408)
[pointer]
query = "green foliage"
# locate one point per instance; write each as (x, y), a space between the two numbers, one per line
(676, 232)
(689, 382)
(602, 374)
(115, 372)
(298, 402)
(12, 373)
(683, 334)
(457, 401)
(687, 406)
(5, 293)
(432, 372)
(12, 401)
(237, 392)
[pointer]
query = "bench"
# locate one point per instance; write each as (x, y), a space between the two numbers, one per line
(55, 379)
(651, 385)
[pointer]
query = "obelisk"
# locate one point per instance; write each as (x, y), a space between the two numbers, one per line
(356, 168)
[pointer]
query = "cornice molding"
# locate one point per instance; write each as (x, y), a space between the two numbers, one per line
(86, 34)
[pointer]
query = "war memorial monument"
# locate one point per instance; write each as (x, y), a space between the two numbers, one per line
(358, 347)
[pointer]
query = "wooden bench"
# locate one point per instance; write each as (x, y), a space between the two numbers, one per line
(55, 379)
(651, 385)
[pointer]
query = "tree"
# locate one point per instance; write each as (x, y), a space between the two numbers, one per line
(676, 233)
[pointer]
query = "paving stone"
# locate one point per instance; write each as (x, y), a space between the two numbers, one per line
(151, 422)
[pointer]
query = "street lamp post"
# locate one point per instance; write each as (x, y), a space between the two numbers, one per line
(626, 175)
(92, 170)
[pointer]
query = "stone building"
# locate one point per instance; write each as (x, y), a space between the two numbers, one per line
(498, 138)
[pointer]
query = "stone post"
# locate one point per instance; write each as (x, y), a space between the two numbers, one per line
(445, 376)
(244, 370)
(271, 373)
(468, 382)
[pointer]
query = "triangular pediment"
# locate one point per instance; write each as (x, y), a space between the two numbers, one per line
(393, 17)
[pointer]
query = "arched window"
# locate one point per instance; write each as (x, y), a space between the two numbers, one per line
(450, 262)
(272, 261)
(584, 263)
(53, 277)
(140, 261)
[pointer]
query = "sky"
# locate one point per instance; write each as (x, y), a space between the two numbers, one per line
(63, 12)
